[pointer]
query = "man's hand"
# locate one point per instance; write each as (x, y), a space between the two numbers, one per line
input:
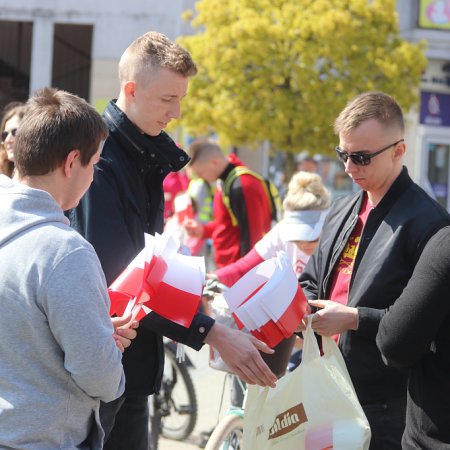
(124, 331)
(240, 353)
(304, 322)
(193, 228)
(333, 318)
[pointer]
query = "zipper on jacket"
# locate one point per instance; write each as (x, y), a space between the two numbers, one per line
(336, 249)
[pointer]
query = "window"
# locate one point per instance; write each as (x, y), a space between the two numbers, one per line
(72, 58)
(15, 61)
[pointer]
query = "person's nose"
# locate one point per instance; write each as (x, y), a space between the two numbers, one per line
(9, 138)
(350, 167)
(175, 111)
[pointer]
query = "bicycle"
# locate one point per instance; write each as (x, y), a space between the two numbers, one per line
(173, 410)
(229, 432)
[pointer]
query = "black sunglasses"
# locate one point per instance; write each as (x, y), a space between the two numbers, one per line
(5, 134)
(362, 158)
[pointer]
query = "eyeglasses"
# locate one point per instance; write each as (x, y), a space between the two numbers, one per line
(5, 134)
(362, 158)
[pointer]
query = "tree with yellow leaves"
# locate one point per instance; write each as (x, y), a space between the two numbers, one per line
(281, 70)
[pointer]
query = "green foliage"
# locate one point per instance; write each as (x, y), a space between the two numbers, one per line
(281, 70)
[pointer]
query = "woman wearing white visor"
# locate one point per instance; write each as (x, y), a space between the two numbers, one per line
(297, 234)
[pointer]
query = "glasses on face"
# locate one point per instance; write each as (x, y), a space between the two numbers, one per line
(362, 158)
(6, 133)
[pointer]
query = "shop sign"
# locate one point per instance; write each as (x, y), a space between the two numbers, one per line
(435, 109)
(434, 14)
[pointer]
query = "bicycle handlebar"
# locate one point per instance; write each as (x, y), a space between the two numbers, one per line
(213, 287)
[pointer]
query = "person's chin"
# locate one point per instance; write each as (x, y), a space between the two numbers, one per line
(161, 126)
(360, 182)
(155, 132)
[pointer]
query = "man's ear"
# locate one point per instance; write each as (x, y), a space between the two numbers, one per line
(400, 150)
(129, 89)
(69, 162)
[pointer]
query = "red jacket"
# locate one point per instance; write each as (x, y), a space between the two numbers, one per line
(251, 206)
(174, 184)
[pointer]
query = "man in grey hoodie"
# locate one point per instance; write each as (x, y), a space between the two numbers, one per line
(57, 351)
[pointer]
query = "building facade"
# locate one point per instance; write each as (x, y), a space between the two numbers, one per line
(429, 126)
(75, 44)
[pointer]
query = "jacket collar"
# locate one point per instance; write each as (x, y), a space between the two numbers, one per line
(160, 149)
(223, 176)
(401, 183)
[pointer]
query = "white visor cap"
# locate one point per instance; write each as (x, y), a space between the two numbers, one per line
(305, 225)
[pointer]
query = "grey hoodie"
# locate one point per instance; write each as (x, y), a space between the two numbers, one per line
(57, 355)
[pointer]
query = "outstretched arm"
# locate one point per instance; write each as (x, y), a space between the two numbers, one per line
(228, 275)
(240, 352)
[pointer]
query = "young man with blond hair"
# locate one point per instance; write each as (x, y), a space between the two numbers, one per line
(125, 201)
(370, 244)
(58, 349)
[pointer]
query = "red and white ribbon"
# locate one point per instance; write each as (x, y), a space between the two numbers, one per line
(160, 280)
(268, 301)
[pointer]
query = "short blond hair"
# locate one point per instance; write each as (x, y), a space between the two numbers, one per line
(370, 105)
(153, 51)
(306, 192)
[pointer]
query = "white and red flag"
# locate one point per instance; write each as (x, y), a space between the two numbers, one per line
(159, 279)
(268, 301)
(182, 207)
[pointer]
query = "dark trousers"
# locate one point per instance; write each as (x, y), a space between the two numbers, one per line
(125, 422)
(387, 423)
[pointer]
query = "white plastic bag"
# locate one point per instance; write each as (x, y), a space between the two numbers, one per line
(312, 408)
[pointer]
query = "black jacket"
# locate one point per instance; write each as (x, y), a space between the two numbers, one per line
(415, 335)
(393, 238)
(126, 200)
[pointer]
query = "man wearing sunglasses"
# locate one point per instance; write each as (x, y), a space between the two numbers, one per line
(370, 244)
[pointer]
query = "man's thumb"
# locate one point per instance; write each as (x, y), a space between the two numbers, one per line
(121, 321)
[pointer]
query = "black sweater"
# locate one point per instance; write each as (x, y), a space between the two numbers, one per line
(415, 334)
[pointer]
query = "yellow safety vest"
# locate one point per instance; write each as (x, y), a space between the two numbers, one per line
(272, 193)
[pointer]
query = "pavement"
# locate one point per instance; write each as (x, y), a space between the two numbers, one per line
(208, 384)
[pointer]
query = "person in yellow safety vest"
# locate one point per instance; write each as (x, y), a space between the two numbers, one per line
(201, 194)
(242, 216)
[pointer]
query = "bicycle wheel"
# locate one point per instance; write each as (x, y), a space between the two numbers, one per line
(228, 434)
(180, 416)
(154, 428)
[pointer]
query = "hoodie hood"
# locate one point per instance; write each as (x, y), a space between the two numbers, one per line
(22, 208)
(235, 160)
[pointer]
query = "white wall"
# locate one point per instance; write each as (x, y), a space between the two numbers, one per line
(116, 24)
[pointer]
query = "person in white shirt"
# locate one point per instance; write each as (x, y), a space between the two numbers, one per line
(297, 234)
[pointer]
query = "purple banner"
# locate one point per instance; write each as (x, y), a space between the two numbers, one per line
(435, 109)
